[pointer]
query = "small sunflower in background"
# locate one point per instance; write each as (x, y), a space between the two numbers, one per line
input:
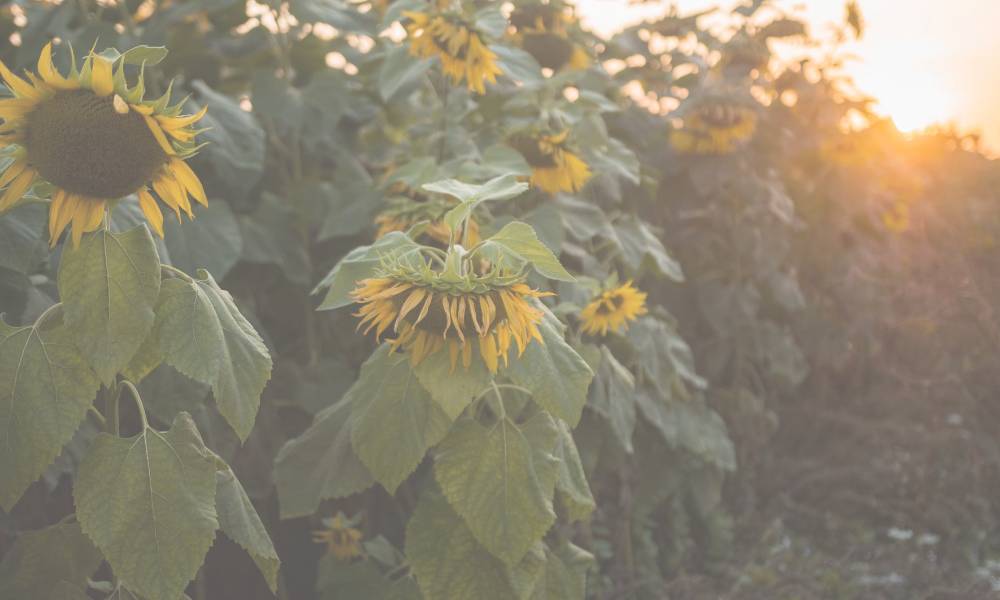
(542, 30)
(464, 56)
(612, 309)
(715, 127)
(94, 140)
(555, 165)
(404, 212)
(430, 311)
(342, 540)
(896, 218)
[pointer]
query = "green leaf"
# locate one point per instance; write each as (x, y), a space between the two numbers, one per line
(359, 264)
(239, 520)
(613, 397)
(519, 242)
(639, 246)
(688, 423)
(572, 490)
(518, 64)
(395, 419)
(500, 480)
(471, 195)
(490, 20)
(47, 388)
(203, 335)
(333, 12)
(448, 562)
(271, 237)
(565, 574)
(661, 352)
(236, 146)
(452, 390)
(320, 463)
(555, 374)
(43, 561)
(148, 503)
(109, 287)
(150, 55)
(212, 241)
(399, 70)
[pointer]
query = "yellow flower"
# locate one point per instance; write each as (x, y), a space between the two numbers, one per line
(613, 309)
(95, 140)
(542, 31)
(715, 128)
(342, 541)
(463, 54)
(554, 168)
(427, 316)
(896, 218)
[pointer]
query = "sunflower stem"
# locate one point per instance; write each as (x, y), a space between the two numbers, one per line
(177, 272)
(138, 402)
(501, 409)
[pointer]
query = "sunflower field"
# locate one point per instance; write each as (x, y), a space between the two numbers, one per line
(456, 300)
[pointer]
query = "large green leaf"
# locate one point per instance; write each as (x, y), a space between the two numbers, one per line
(109, 287)
(320, 464)
(518, 64)
(572, 490)
(518, 243)
(400, 70)
(40, 562)
(454, 389)
(613, 397)
(359, 264)
(272, 236)
(203, 335)
(500, 480)
(239, 520)
(236, 146)
(639, 246)
(688, 423)
(448, 562)
(565, 574)
(47, 387)
(661, 352)
(471, 195)
(395, 419)
(554, 373)
(148, 503)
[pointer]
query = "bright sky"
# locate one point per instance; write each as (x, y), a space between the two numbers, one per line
(927, 61)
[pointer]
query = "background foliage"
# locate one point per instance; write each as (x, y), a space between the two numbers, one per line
(804, 412)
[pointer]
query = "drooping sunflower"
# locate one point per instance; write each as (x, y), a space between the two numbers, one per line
(463, 54)
(95, 140)
(342, 540)
(429, 312)
(542, 30)
(611, 310)
(715, 127)
(555, 167)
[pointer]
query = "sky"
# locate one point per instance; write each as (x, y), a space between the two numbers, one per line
(926, 61)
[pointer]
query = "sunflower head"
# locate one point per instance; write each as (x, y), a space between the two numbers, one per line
(429, 312)
(555, 166)
(896, 217)
(463, 53)
(542, 30)
(94, 140)
(538, 17)
(715, 127)
(342, 540)
(611, 310)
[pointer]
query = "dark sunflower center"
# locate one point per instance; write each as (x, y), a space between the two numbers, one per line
(550, 50)
(610, 305)
(80, 143)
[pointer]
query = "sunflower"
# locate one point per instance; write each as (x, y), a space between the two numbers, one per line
(612, 309)
(342, 540)
(95, 140)
(715, 128)
(542, 31)
(896, 218)
(428, 312)
(459, 46)
(554, 167)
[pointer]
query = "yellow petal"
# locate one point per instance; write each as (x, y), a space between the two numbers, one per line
(101, 80)
(20, 87)
(58, 201)
(17, 189)
(158, 134)
(71, 203)
(188, 180)
(87, 217)
(172, 194)
(170, 123)
(50, 74)
(12, 171)
(152, 210)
